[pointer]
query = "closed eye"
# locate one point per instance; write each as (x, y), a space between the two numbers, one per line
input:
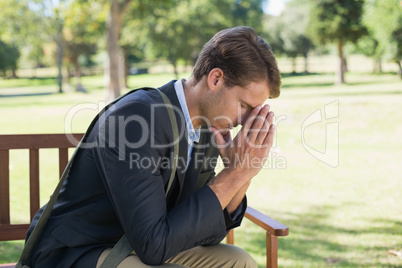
(245, 106)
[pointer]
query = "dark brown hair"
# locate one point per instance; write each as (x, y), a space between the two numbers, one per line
(243, 56)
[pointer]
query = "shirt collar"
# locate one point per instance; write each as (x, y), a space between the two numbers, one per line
(193, 135)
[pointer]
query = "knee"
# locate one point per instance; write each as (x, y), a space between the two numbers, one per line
(242, 258)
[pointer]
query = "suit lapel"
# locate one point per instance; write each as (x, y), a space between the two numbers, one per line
(181, 166)
(194, 169)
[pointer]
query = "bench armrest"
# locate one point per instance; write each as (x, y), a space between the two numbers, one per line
(268, 224)
(272, 228)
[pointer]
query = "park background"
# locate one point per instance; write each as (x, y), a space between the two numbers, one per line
(333, 174)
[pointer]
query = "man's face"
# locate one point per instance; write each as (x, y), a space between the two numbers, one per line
(227, 107)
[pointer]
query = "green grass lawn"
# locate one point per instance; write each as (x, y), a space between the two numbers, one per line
(335, 182)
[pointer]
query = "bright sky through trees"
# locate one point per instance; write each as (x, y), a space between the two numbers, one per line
(274, 7)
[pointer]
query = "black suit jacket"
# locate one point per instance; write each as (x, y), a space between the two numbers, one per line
(117, 186)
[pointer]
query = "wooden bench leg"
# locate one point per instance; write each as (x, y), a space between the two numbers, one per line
(230, 237)
(272, 251)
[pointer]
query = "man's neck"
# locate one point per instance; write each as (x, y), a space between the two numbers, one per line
(192, 93)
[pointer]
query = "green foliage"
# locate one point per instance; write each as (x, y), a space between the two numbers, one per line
(287, 33)
(84, 21)
(178, 30)
(20, 20)
(84, 24)
(9, 55)
(272, 31)
(384, 21)
(25, 24)
(368, 46)
(173, 32)
(336, 21)
(137, 21)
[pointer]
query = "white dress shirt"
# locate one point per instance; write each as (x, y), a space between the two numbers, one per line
(193, 134)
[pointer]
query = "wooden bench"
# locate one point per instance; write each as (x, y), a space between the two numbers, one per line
(35, 142)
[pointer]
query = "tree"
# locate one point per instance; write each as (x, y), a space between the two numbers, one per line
(22, 23)
(173, 33)
(272, 27)
(384, 22)
(9, 55)
(113, 27)
(84, 24)
(118, 16)
(368, 46)
(337, 21)
(288, 32)
(134, 40)
(179, 33)
(134, 46)
(58, 38)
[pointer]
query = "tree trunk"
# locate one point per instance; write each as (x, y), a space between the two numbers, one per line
(60, 57)
(339, 77)
(400, 68)
(379, 65)
(69, 75)
(126, 72)
(377, 68)
(344, 64)
(113, 32)
(113, 25)
(126, 67)
(294, 65)
(13, 74)
(122, 69)
(78, 85)
(176, 73)
(106, 72)
(306, 63)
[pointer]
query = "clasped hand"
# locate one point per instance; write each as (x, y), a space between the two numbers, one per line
(247, 152)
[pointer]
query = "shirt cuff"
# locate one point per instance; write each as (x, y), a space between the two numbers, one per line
(234, 220)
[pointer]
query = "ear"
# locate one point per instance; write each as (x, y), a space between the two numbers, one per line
(215, 78)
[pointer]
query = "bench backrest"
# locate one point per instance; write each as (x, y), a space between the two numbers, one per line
(32, 142)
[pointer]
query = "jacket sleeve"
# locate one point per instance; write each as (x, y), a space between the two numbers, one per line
(130, 166)
(232, 220)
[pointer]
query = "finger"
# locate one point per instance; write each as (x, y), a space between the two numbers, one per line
(269, 139)
(262, 134)
(271, 116)
(250, 119)
(265, 129)
(219, 139)
(257, 125)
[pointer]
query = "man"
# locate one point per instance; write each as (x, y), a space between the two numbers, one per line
(119, 181)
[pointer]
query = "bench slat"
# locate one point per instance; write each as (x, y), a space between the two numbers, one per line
(63, 160)
(4, 187)
(34, 181)
(13, 232)
(28, 141)
(8, 265)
